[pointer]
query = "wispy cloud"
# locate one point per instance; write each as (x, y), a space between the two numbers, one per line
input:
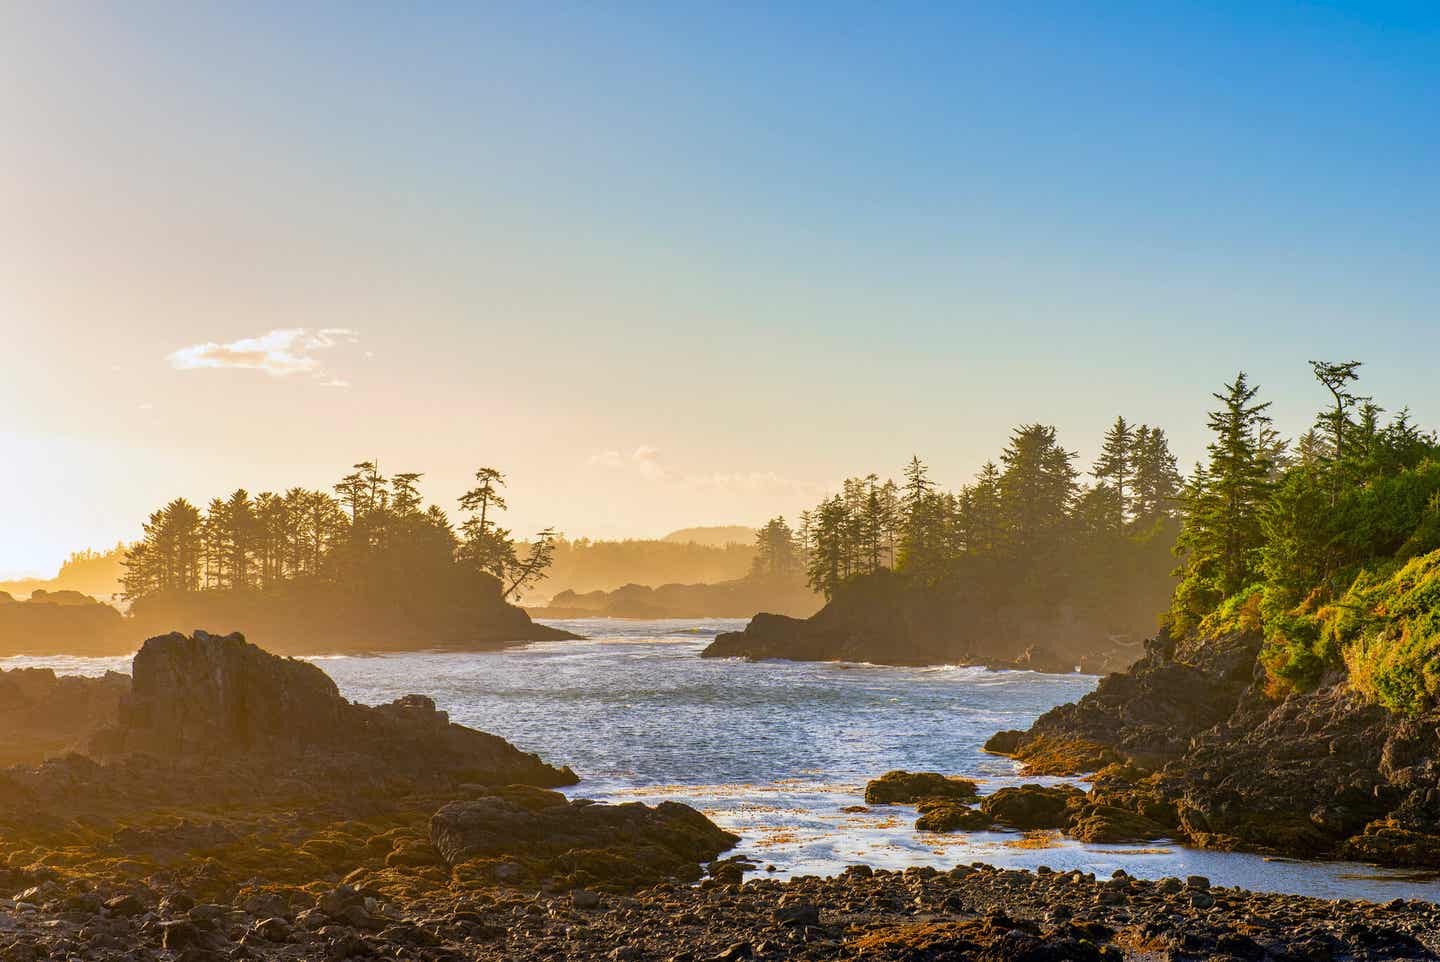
(280, 353)
(645, 462)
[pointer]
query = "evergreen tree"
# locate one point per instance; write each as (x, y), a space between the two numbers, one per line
(1157, 479)
(1115, 467)
(1335, 420)
(168, 556)
(828, 557)
(1222, 535)
(776, 551)
(1037, 486)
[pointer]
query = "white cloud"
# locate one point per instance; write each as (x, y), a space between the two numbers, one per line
(645, 461)
(279, 353)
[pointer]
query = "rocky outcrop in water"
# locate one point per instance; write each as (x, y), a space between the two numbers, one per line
(203, 696)
(324, 618)
(900, 787)
(1189, 743)
(885, 619)
(312, 620)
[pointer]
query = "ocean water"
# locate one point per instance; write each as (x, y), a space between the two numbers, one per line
(776, 751)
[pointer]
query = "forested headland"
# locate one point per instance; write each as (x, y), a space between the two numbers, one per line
(366, 565)
(1329, 548)
(1034, 555)
(1291, 702)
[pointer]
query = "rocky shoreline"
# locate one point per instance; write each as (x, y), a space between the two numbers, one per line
(1192, 744)
(970, 912)
(238, 807)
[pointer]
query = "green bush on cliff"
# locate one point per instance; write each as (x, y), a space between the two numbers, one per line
(1388, 629)
(1328, 547)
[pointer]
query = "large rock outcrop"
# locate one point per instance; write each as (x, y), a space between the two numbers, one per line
(205, 696)
(1191, 740)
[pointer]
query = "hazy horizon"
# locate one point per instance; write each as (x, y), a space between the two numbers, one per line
(682, 265)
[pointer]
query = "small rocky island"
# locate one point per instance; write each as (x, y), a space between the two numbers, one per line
(885, 618)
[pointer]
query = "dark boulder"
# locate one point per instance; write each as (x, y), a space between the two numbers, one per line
(1030, 807)
(589, 845)
(948, 815)
(901, 787)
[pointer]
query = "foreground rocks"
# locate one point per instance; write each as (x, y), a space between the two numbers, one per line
(238, 807)
(1190, 744)
(971, 912)
(882, 618)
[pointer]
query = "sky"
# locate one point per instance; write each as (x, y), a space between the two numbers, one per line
(683, 263)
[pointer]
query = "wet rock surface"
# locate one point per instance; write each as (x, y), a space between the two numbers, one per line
(900, 787)
(1190, 744)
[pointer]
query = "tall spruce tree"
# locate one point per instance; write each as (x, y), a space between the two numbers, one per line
(1222, 535)
(1115, 467)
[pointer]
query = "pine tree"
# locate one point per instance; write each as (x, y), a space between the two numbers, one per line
(1335, 421)
(828, 558)
(1222, 535)
(1157, 478)
(1115, 468)
(917, 522)
(1037, 487)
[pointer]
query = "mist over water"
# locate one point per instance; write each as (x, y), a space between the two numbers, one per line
(776, 750)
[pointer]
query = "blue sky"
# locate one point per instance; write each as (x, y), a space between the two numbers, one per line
(687, 263)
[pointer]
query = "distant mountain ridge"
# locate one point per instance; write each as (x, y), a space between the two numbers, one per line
(713, 536)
